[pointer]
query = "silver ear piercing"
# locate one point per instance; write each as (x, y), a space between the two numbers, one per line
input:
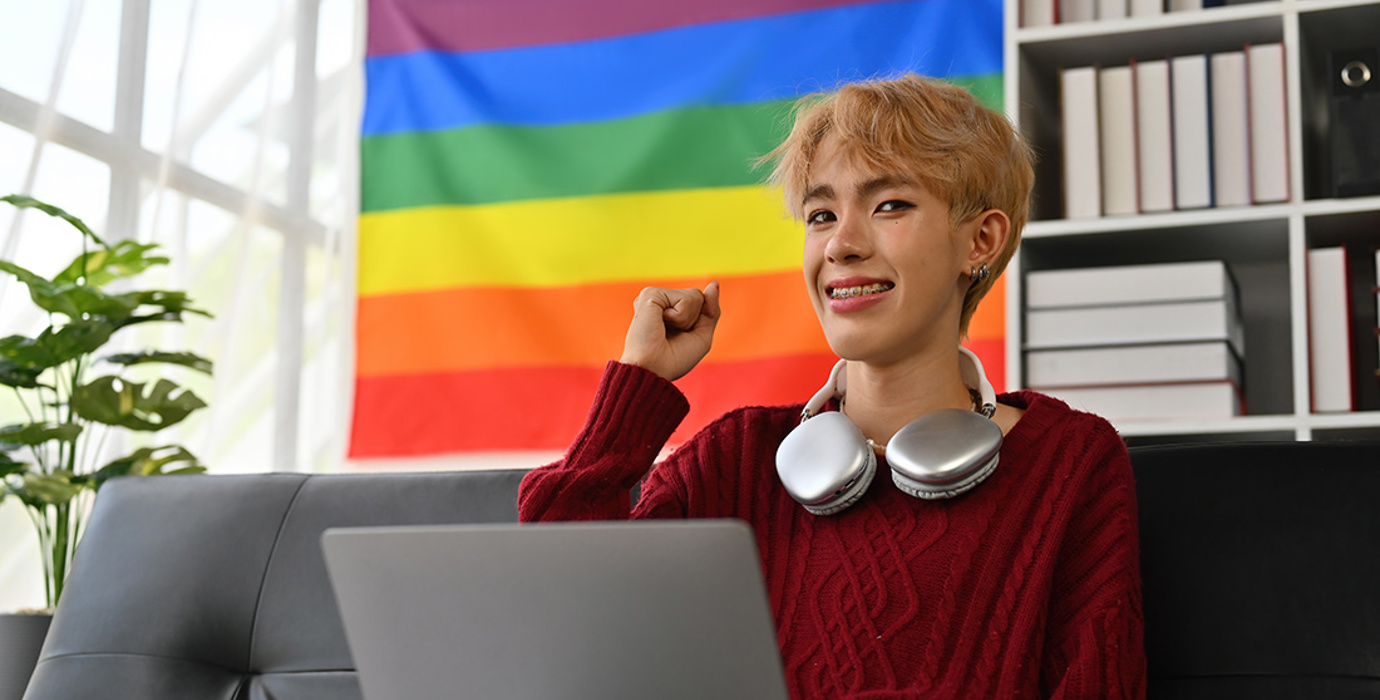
(979, 275)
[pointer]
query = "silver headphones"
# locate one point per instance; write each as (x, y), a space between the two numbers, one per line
(827, 464)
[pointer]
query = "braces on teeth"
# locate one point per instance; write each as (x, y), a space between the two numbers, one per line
(850, 292)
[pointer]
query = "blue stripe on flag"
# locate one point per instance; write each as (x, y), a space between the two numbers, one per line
(735, 62)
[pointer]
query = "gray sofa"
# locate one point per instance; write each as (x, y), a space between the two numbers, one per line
(202, 587)
(1260, 566)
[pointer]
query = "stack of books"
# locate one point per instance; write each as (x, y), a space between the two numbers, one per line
(1190, 132)
(1043, 13)
(1137, 342)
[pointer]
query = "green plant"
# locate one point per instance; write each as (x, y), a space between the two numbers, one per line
(69, 414)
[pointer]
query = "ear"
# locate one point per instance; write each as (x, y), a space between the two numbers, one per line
(987, 235)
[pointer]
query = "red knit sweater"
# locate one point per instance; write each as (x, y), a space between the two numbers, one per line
(1026, 587)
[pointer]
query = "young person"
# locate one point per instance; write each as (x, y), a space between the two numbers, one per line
(1018, 582)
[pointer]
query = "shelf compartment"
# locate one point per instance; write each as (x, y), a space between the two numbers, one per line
(1256, 252)
(1039, 66)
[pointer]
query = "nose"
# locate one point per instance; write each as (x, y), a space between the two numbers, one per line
(849, 241)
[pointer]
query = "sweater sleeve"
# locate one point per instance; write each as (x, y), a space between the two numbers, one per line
(1095, 646)
(634, 414)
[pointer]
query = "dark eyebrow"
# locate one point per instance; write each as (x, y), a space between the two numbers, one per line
(818, 192)
(865, 190)
(872, 186)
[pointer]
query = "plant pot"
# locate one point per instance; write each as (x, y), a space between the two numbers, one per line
(21, 639)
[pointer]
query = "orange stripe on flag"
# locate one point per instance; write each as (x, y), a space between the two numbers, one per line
(542, 408)
(479, 328)
(989, 321)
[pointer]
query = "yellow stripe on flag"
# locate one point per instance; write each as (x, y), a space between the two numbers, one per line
(582, 240)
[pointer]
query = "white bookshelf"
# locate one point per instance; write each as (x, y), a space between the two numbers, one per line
(1265, 245)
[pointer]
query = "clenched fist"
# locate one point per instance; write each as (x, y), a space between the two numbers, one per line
(672, 329)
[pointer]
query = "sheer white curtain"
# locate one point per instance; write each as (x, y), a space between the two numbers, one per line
(227, 132)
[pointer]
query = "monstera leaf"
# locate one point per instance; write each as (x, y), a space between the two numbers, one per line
(26, 202)
(104, 265)
(39, 433)
(168, 306)
(75, 301)
(55, 489)
(114, 401)
(185, 359)
(149, 461)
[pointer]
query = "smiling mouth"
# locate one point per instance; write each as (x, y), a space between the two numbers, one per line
(851, 292)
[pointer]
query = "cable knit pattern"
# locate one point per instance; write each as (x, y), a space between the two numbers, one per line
(1027, 587)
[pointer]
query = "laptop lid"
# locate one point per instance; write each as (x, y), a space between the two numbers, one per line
(562, 611)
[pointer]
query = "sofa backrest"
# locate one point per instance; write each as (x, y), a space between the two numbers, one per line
(204, 587)
(1261, 569)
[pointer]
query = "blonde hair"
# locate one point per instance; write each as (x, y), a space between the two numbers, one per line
(931, 131)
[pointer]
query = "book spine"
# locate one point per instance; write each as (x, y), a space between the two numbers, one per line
(1082, 181)
(1154, 134)
(1146, 8)
(1077, 11)
(1269, 127)
(1231, 140)
(1037, 13)
(1120, 177)
(1329, 339)
(1112, 9)
(1192, 168)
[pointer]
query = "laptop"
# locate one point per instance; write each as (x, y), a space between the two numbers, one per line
(561, 611)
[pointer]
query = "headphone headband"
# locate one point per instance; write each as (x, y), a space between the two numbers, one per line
(973, 376)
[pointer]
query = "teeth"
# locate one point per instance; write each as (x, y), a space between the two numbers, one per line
(850, 292)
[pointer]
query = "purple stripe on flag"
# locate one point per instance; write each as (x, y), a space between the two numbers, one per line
(404, 26)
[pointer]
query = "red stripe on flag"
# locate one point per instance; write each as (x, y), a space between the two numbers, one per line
(992, 352)
(543, 408)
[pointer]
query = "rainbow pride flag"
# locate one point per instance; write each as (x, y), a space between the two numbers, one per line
(529, 165)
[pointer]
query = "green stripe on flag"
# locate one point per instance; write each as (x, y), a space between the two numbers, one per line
(676, 149)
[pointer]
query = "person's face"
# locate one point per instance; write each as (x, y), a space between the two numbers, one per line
(885, 273)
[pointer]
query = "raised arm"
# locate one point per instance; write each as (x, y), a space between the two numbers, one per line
(634, 413)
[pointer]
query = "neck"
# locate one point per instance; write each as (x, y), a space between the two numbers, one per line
(882, 399)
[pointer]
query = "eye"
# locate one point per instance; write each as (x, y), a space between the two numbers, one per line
(819, 216)
(894, 205)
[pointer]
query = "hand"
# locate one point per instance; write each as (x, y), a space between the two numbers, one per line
(672, 329)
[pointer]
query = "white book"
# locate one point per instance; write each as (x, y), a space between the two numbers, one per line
(1192, 146)
(1329, 342)
(1154, 136)
(1269, 130)
(1112, 9)
(1128, 284)
(1082, 182)
(1185, 5)
(1077, 11)
(1133, 324)
(1143, 8)
(1037, 13)
(1231, 136)
(1132, 364)
(1116, 98)
(1124, 404)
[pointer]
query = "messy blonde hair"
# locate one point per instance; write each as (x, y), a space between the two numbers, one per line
(934, 133)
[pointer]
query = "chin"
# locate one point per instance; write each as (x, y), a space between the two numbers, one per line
(852, 347)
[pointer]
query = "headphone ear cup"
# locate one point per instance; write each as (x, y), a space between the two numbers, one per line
(944, 453)
(825, 463)
(851, 493)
